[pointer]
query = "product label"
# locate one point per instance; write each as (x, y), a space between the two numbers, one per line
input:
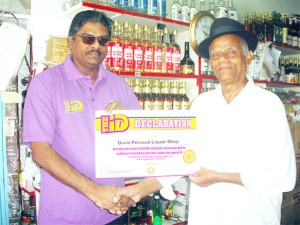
(187, 69)
(148, 57)
(176, 105)
(107, 60)
(157, 65)
(116, 54)
(148, 105)
(167, 105)
(158, 105)
(176, 59)
(137, 57)
(168, 58)
(128, 56)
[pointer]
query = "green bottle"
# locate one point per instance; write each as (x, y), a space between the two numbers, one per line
(157, 211)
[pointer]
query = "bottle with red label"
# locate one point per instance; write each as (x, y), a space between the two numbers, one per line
(147, 51)
(176, 57)
(137, 49)
(116, 48)
(166, 53)
(127, 48)
(157, 51)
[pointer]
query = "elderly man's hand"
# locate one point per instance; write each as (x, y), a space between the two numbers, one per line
(113, 105)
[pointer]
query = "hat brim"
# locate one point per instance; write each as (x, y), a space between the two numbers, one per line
(250, 39)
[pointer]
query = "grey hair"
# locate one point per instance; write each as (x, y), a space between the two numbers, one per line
(90, 16)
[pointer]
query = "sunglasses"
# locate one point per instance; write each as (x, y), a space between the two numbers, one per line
(88, 39)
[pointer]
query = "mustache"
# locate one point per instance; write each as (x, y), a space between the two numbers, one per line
(95, 50)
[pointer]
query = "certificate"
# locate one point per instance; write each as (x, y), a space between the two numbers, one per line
(140, 143)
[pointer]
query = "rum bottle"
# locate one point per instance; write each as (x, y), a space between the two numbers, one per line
(147, 51)
(127, 48)
(166, 53)
(175, 50)
(137, 49)
(187, 65)
(147, 96)
(166, 97)
(157, 98)
(157, 51)
(116, 48)
(184, 100)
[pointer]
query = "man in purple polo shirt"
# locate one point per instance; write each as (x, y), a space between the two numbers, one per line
(59, 126)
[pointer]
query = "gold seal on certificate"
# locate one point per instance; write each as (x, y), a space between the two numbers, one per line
(145, 143)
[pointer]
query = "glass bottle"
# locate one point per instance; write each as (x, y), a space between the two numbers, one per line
(266, 27)
(152, 7)
(184, 100)
(232, 12)
(137, 49)
(221, 9)
(175, 50)
(116, 48)
(166, 97)
(157, 211)
(127, 48)
(246, 22)
(150, 209)
(142, 6)
(253, 23)
(157, 51)
(202, 5)
(156, 95)
(176, 11)
(193, 9)
(137, 89)
(147, 96)
(212, 9)
(187, 65)
(176, 104)
(166, 53)
(185, 12)
(147, 51)
(133, 5)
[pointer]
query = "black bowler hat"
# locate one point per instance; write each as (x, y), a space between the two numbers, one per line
(225, 25)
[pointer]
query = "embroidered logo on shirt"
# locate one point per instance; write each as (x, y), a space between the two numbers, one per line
(73, 106)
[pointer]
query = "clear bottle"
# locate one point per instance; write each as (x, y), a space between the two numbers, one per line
(152, 7)
(193, 9)
(175, 50)
(212, 9)
(202, 5)
(147, 51)
(157, 211)
(187, 65)
(184, 100)
(232, 12)
(254, 67)
(185, 12)
(127, 48)
(162, 8)
(143, 6)
(137, 49)
(113, 3)
(176, 11)
(166, 53)
(157, 51)
(221, 9)
(133, 5)
(123, 4)
(116, 48)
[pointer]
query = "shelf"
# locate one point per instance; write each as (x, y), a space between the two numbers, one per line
(131, 17)
(152, 75)
(285, 49)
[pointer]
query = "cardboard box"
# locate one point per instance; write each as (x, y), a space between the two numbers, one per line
(57, 49)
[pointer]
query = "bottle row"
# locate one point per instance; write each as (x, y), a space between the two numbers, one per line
(133, 48)
(160, 95)
(274, 27)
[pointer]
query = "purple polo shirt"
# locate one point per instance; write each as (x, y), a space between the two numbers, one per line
(59, 109)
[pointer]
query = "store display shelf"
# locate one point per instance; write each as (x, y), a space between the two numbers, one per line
(155, 75)
(276, 84)
(285, 49)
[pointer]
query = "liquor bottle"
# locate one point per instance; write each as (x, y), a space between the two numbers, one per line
(123, 4)
(116, 48)
(284, 27)
(260, 29)
(176, 11)
(166, 53)
(157, 211)
(185, 12)
(166, 97)
(202, 5)
(142, 6)
(147, 96)
(133, 5)
(150, 209)
(147, 50)
(254, 66)
(294, 34)
(295, 71)
(187, 65)
(253, 23)
(193, 9)
(127, 48)
(137, 89)
(232, 12)
(157, 51)
(282, 69)
(266, 27)
(246, 22)
(221, 9)
(184, 100)
(176, 104)
(113, 3)
(175, 50)
(161, 8)
(212, 9)
(298, 33)
(156, 95)
(152, 7)
(137, 49)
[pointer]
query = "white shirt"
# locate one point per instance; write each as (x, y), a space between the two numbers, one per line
(249, 136)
